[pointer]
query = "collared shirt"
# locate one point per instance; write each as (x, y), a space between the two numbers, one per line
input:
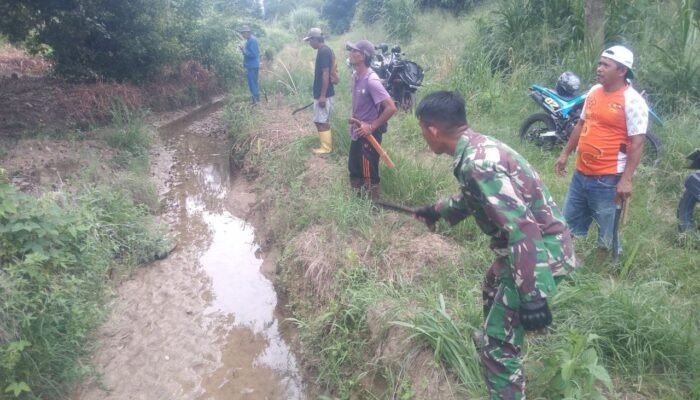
(511, 204)
(367, 95)
(610, 119)
(251, 53)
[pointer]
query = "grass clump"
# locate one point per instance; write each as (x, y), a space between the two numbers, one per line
(644, 327)
(56, 253)
(618, 330)
(344, 339)
(449, 343)
(240, 119)
(129, 137)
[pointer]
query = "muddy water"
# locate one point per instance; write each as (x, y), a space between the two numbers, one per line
(203, 323)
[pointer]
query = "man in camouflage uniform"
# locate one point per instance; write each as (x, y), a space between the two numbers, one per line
(528, 234)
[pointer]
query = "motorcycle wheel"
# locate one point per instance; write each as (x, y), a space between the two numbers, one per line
(652, 150)
(533, 127)
(408, 102)
(686, 214)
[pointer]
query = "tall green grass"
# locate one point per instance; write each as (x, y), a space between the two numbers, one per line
(449, 343)
(300, 20)
(636, 322)
(128, 135)
(56, 253)
(399, 18)
(344, 341)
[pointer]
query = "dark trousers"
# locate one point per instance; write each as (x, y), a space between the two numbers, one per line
(363, 161)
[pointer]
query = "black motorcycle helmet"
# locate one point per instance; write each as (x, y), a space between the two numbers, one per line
(568, 84)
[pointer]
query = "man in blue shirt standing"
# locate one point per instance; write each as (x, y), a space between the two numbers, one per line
(251, 61)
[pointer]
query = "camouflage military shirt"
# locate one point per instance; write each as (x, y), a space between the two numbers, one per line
(512, 205)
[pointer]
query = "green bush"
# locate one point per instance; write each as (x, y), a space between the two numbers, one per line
(643, 327)
(302, 19)
(530, 31)
(339, 14)
(549, 34)
(399, 19)
(125, 40)
(278, 9)
(274, 41)
(212, 43)
(676, 72)
(456, 6)
(370, 11)
(55, 254)
(129, 136)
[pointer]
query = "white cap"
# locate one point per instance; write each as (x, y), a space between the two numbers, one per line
(621, 54)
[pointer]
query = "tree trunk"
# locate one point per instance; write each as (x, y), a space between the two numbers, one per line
(594, 16)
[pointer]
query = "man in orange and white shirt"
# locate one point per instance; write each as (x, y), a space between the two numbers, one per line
(609, 140)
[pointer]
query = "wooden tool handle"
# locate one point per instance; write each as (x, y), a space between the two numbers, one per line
(378, 147)
(380, 150)
(625, 209)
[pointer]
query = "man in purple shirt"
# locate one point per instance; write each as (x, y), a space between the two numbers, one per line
(372, 106)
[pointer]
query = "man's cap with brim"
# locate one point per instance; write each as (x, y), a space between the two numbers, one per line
(364, 46)
(245, 28)
(314, 33)
(622, 55)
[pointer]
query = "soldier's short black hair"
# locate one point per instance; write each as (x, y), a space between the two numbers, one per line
(444, 108)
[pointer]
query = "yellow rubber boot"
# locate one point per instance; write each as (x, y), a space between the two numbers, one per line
(326, 143)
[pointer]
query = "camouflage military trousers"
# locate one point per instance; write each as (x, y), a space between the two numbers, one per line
(500, 343)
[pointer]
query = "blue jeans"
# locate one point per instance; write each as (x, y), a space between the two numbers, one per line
(593, 198)
(253, 83)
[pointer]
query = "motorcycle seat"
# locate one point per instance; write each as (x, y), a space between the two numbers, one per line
(567, 97)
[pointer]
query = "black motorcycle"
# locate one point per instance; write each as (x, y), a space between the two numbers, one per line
(688, 218)
(401, 78)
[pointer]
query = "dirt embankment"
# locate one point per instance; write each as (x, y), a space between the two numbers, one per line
(48, 164)
(33, 101)
(48, 132)
(307, 268)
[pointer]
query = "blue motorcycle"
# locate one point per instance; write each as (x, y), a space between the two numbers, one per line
(563, 107)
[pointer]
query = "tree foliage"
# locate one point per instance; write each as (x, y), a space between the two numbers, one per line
(212, 42)
(242, 8)
(456, 6)
(370, 10)
(339, 14)
(276, 9)
(121, 40)
(302, 19)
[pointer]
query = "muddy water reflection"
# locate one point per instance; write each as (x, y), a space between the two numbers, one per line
(253, 360)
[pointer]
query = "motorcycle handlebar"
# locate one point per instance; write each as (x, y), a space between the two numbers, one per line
(383, 47)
